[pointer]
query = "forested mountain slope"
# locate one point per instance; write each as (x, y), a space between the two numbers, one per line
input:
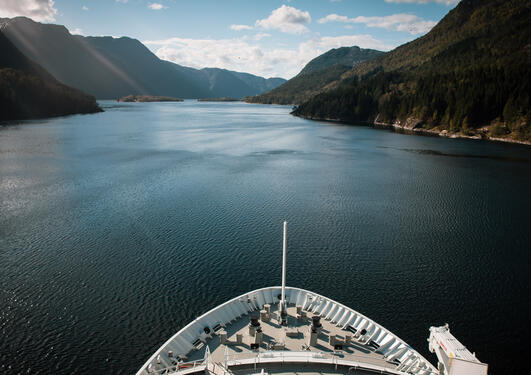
(470, 75)
(316, 75)
(28, 91)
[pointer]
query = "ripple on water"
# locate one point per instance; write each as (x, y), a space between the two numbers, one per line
(117, 229)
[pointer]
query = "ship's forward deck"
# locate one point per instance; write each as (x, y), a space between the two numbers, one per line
(293, 338)
(224, 341)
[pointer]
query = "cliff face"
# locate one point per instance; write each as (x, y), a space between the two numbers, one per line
(29, 91)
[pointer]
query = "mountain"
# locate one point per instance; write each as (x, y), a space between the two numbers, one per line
(260, 83)
(109, 68)
(220, 83)
(347, 56)
(29, 91)
(251, 83)
(223, 82)
(301, 87)
(469, 76)
(316, 75)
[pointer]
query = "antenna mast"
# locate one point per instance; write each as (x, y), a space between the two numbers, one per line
(283, 312)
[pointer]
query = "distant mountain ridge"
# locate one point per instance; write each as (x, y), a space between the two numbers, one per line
(316, 75)
(29, 91)
(109, 68)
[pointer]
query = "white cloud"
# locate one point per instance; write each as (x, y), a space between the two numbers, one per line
(122, 1)
(84, 7)
(76, 31)
(245, 56)
(445, 2)
(286, 19)
(240, 27)
(37, 10)
(156, 6)
(335, 18)
(261, 36)
(398, 22)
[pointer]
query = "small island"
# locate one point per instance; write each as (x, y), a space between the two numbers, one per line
(224, 99)
(148, 98)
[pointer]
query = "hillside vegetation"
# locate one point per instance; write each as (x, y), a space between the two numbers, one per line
(28, 91)
(301, 87)
(316, 75)
(470, 75)
(346, 56)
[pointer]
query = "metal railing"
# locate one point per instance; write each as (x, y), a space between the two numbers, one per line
(352, 361)
(177, 367)
(356, 361)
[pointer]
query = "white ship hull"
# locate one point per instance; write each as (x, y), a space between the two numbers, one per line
(220, 340)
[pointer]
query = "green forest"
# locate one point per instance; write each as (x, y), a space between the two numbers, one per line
(300, 88)
(469, 75)
(25, 96)
(460, 101)
(28, 91)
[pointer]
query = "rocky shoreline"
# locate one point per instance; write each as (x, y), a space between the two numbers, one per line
(411, 126)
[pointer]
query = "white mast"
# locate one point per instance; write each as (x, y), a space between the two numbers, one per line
(283, 301)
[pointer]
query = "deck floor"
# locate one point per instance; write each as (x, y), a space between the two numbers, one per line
(272, 331)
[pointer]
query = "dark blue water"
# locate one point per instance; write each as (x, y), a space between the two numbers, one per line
(117, 229)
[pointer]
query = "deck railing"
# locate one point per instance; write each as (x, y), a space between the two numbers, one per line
(355, 361)
(352, 361)
(179, 367)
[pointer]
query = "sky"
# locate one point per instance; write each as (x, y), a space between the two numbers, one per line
(268, 38)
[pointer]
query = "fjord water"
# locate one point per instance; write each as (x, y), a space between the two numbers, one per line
(117, 229)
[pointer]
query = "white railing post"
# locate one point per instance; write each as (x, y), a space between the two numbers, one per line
(283, 292)
(226, 355)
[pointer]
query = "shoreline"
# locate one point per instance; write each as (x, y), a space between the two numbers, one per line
(147, 99)
(412, 130)
(227, 99)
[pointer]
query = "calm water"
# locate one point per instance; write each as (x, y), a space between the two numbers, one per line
(117, 229)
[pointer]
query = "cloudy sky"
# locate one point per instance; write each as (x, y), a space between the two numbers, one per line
(268, 38)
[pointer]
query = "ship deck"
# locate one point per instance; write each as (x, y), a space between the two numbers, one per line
(222, 340)
(294, 335)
